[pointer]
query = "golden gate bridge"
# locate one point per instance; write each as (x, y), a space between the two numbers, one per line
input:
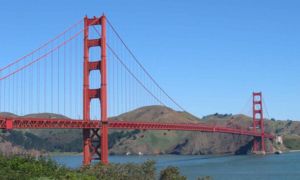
(87, 73)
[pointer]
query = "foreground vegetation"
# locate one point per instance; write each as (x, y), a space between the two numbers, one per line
(16, 167)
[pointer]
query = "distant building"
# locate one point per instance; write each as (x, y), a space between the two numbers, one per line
(279, 140)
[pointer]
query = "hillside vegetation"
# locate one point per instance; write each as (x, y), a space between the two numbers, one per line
(156, 142)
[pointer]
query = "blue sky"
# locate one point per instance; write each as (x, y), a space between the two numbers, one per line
(209, 55)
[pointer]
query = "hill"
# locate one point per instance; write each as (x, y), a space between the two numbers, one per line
(179, 142)
(156, 142)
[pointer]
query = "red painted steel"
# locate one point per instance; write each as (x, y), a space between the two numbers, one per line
(258, 123)
(86, 97)
(95, 142)
(42, 123)
(8, 124)
(95, 133)
(103, 95)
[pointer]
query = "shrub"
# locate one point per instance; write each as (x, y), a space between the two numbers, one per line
(171, 173)
(28, 167)
(16, 167)
(145, 171)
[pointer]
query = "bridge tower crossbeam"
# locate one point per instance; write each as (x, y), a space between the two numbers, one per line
(258, 123)
(95, 141)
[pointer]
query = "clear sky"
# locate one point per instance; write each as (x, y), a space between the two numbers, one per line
(210, 55)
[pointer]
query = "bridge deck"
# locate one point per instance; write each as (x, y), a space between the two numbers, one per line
(44, 123)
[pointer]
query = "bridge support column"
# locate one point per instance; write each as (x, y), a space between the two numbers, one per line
(258, 124)
(103, 94)
(95, 141)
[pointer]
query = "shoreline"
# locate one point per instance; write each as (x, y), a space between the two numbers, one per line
(294, 150)
(63, 153)
(79, 154)
(228, 154)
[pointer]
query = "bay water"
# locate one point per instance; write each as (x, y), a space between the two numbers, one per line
(274, 167)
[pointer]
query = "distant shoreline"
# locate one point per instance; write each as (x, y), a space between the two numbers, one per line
(63, 153)
(79, 153)
(294, 150)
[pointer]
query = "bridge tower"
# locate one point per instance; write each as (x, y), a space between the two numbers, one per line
(258, 123)
(95, 141)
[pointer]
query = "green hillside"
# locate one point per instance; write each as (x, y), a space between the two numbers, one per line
(156, 142)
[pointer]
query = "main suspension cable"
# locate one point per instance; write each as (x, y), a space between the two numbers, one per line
(41, 57)
(141, 66)
(39, 48)
(132, 74)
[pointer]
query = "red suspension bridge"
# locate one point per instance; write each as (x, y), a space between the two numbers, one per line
(50, 79)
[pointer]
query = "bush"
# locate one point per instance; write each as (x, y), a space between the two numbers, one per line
(171, 173)
(145, 171)
(17, 167)
(28, 167)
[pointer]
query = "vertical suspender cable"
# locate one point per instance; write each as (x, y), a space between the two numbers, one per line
(38, 84)
(52, 88)
(64, 59)
(58, 77)
(143, 68)
(45, 82)
(71, 80)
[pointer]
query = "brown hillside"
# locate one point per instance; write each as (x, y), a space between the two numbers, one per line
(178, 142)
(157, 114)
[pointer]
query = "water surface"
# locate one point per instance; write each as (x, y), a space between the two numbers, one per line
(275, 167)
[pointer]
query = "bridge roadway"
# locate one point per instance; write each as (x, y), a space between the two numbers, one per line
(44, 123)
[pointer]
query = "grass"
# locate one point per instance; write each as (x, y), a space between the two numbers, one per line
(292, 142)
(161, 140)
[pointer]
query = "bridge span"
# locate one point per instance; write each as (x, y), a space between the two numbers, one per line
(48, 79)
(43, 123)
